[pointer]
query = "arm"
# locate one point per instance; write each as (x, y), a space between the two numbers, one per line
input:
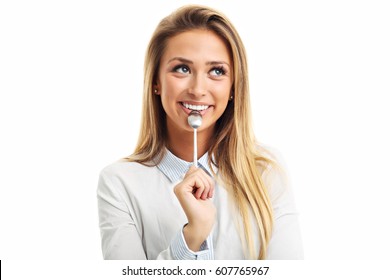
(194, 242)
(121, 238)
(194, 194)
(178, 250)
(286, 241)
(119, 235)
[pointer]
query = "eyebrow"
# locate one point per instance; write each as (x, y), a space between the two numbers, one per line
(184, 60)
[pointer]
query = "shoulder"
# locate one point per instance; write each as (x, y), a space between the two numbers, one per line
(125, 173)
(121, 167)
(275, 175)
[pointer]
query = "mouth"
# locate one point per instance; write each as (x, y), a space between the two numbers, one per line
(201, 108)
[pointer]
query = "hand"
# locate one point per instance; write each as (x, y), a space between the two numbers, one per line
(193, 194)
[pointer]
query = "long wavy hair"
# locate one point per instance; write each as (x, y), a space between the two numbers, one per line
(237, 156)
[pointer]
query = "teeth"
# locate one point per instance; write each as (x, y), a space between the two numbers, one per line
(195, 107)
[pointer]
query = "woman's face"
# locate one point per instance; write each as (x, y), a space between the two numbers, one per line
(195, 74)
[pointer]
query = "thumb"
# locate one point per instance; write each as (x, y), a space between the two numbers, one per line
(191, 170)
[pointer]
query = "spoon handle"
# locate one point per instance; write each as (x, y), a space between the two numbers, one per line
(195, 149)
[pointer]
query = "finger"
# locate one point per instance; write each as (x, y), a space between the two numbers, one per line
(190, 171)
(211, 193)
(212, 186)
(199, 186)
(207, 187)
(208, 182)
(201, 175)
(190, 184)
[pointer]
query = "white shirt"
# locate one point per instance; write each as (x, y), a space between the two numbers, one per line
(141, 218)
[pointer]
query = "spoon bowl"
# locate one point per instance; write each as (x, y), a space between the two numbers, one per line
(195, 119)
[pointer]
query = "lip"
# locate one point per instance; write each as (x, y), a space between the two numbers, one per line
(188, 111)
(195, 103)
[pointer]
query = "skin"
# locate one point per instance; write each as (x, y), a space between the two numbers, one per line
(196, 68)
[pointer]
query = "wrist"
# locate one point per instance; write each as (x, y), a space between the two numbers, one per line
(194, 237)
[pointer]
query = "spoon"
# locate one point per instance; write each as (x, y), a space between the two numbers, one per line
(195, 121)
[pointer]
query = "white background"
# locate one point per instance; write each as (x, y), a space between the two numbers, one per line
(71, 85)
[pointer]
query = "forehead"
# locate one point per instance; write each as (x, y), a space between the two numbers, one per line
(197, 45)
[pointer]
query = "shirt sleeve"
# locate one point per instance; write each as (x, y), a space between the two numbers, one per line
(120, 238)
(286, 241)
(180, 250)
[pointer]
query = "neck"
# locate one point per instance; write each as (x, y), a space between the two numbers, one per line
(182, 144)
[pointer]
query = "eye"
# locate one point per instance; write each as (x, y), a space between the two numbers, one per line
(183, 69)
(218, 71)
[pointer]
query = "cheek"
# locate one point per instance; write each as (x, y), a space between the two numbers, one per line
(222, 98)
(172, 87)
(223, 93)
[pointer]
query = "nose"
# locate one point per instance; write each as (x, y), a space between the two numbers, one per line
(198, 86)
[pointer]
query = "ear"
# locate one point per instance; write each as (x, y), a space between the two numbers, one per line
(231, 94)
(156, 89)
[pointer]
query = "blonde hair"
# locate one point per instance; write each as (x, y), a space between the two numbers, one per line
(235, 151)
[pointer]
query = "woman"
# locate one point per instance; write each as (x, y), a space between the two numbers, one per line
(235, 205)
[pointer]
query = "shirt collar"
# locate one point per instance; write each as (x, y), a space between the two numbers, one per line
(175, 168)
